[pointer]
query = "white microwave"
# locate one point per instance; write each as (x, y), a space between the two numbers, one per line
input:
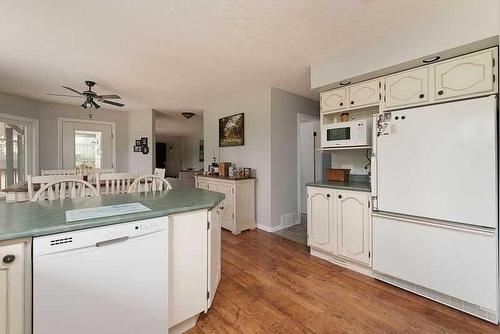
(354, 133)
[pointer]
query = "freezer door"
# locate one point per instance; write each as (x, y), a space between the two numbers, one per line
(440, 162)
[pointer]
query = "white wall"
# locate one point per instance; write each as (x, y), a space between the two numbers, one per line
(191, 151)
(458, 23)
(284, 109)
(256, 153)
(141, 124)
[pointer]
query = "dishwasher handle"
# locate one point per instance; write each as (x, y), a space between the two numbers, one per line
(111, 241)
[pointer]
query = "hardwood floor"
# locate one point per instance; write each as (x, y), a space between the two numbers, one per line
(272, 285)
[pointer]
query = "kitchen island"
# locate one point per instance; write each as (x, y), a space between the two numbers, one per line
(193, 248)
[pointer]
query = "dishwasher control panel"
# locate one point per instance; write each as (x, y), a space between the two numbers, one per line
(97, 236)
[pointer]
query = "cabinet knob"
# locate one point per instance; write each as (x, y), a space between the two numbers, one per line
(8, 259)
(328, 195)
(341, 104)
(440, 92)
(340, 196)
(352, 102)
(421, 96)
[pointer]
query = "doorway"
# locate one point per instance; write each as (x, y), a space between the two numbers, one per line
(88, 143)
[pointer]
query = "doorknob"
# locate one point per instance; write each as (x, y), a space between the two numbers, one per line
(8, 259)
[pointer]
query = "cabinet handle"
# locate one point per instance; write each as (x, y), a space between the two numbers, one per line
(328, 195)
(222, 208)
(421, 96)
(352, 102)
(340, 196)
(8, 259)
(341, 104)
(440, 92)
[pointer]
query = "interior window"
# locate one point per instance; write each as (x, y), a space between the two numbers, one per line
(88, 150)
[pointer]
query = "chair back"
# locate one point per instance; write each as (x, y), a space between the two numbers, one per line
(58, 172)
(149, 183)
(160, 172)
(46, 179)
(65, 188)
(91, 177)
(114, 183)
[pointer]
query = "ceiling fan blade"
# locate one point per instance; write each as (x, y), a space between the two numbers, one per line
(112, 103)
(65, 95)
(73, 90)
(102, 97)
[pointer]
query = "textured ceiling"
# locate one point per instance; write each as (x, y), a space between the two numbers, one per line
(181, 54)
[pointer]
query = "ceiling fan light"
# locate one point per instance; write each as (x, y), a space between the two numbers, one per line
(96, 106)
(188, 115)
(84, 105)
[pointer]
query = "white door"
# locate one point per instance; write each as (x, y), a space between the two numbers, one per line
(365, 94)
(353, 226)
(440, 162)
(85, 142)
(310, 164)
(214, 253)
(12, 289)
(320, 215)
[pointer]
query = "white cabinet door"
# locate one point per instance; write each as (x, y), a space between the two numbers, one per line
(320, 229)
(364, 94)
(353, 226)
(333, 100)
(214, 253)
(227, 205)
(12, 289)
(407, 88)
(202, 184)
(464, 76)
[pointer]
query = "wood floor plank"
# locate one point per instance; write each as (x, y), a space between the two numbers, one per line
(273, 285)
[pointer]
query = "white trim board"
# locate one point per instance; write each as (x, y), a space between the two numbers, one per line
(60, 120)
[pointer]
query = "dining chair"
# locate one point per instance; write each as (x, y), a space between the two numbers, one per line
(91, 175)
(114, 183)
(149, 183)
(65, 188)
(40, 181)
(160, 172)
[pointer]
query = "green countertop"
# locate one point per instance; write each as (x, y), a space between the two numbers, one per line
(351, 185)
(31, 219)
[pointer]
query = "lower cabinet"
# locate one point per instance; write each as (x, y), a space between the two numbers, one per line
(339, 223)
(15, 308)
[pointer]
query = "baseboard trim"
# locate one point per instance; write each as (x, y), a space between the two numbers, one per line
(270, 229)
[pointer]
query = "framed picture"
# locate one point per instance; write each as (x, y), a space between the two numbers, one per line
(232, 130)
(137, 142)
(137, 148)
(144, 141)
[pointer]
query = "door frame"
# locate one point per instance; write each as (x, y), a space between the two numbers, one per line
(32, 138)
(303, 118)
(60, 121)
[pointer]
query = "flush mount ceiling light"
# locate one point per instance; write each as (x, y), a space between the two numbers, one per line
(344, 83)
(430, 59)
(188, 115)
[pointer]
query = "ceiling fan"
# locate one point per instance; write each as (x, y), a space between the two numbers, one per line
(90, 96)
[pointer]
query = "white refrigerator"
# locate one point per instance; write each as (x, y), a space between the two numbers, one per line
(436, 218)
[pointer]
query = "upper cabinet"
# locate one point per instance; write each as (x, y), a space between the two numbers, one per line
(365, 94)
(334, 100)
(407, 88)
(464, 76)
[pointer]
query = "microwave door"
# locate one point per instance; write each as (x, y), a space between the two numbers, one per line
(338, 136)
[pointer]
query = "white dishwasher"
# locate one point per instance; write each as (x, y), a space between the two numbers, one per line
(105, 280)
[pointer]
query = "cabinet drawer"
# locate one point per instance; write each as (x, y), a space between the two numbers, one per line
(466, 75)
(407, 88)
(364, 94)
(334, 100)
(455, 261)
